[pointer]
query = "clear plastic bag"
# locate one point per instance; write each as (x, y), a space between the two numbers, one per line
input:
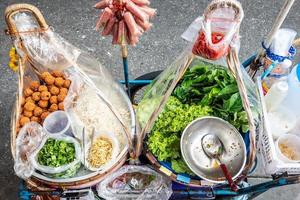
(43, 50)
(64, 171)
(194, 86)
(135, 182)
(29, 139)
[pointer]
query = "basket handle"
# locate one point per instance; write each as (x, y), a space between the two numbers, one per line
(13, 9)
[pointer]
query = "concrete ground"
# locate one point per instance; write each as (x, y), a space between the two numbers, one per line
(75, 20)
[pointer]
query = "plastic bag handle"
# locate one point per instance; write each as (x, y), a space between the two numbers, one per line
(13, 9)
(223, 3)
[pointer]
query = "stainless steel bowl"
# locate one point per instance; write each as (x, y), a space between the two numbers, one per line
(234, 155)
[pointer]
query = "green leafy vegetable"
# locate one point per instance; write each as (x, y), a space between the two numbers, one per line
(205, 89)
(56, 153)
(164, 141)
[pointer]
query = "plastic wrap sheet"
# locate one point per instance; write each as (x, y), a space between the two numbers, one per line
(135, 182)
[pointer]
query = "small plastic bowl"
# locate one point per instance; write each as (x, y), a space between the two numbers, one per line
(293, 142)
(58, 123)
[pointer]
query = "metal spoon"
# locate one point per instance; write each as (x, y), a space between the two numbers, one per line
(213, 148)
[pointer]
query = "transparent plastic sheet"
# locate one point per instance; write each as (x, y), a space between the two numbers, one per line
(158, 93)
(46, 51)
(29, 139)
(63, 171)
(135, 182)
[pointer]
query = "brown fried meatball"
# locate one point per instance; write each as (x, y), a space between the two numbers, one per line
(36, 96)
(34, 85)
(53, 107)
(37, 111)
(59, 82)
(29, 99)
(57, 73)
(63, 91)
(22, 101)
(28, 92)
(35, 119)
(43, 104)
(24, 120)
(27, 113)
(54, 90)
(49, 80)
(45, 95)
(44, 74)
(61, 97)
(43, 88)
(29, 106)
(67, 83)
(61, 106)
(44, 115)
(53, 100)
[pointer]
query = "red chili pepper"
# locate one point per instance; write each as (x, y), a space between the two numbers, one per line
(212, 52)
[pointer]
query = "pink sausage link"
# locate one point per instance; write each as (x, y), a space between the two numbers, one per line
(109, 26)
(136, 11)
(131, 24)
(104, 17)
(141, 2)
(102, 4)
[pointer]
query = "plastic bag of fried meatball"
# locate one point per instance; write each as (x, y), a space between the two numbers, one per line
(49, 70)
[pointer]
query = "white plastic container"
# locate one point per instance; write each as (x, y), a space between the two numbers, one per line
(276, 95)
(293, 142)
(272, 163)
(58, 123)
(283, 121)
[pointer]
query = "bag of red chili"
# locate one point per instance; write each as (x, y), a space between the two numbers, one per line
(219, 29)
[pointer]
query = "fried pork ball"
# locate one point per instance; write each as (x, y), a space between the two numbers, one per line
(49, 80)
(61, 97)
(63, 91)
(43, 104)
(45, 95)
(67, 83)
(44, 115)
(36, 96)
(29, 106)
(34, 85)
(59, 82)
(53, 107)
(29, 99)
(24, 120)
(53, 100)
(44, 74)
(28, 92)
(37, 111)
(43, 88)
(54, 90)
(22, 101)
(27, 113)
(35, 119)
(61, 106)
(57, 73)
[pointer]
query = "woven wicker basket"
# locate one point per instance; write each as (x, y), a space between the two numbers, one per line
(234, 68)
(36, 182)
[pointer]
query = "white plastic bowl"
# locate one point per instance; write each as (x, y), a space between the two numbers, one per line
(292, 141)
(115, 151)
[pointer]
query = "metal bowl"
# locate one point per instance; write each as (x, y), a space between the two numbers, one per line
(234, 153)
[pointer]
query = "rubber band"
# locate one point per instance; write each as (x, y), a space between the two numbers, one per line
(275, 57)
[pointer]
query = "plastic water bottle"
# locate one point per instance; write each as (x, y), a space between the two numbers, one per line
(276, 95)
(293, 97)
